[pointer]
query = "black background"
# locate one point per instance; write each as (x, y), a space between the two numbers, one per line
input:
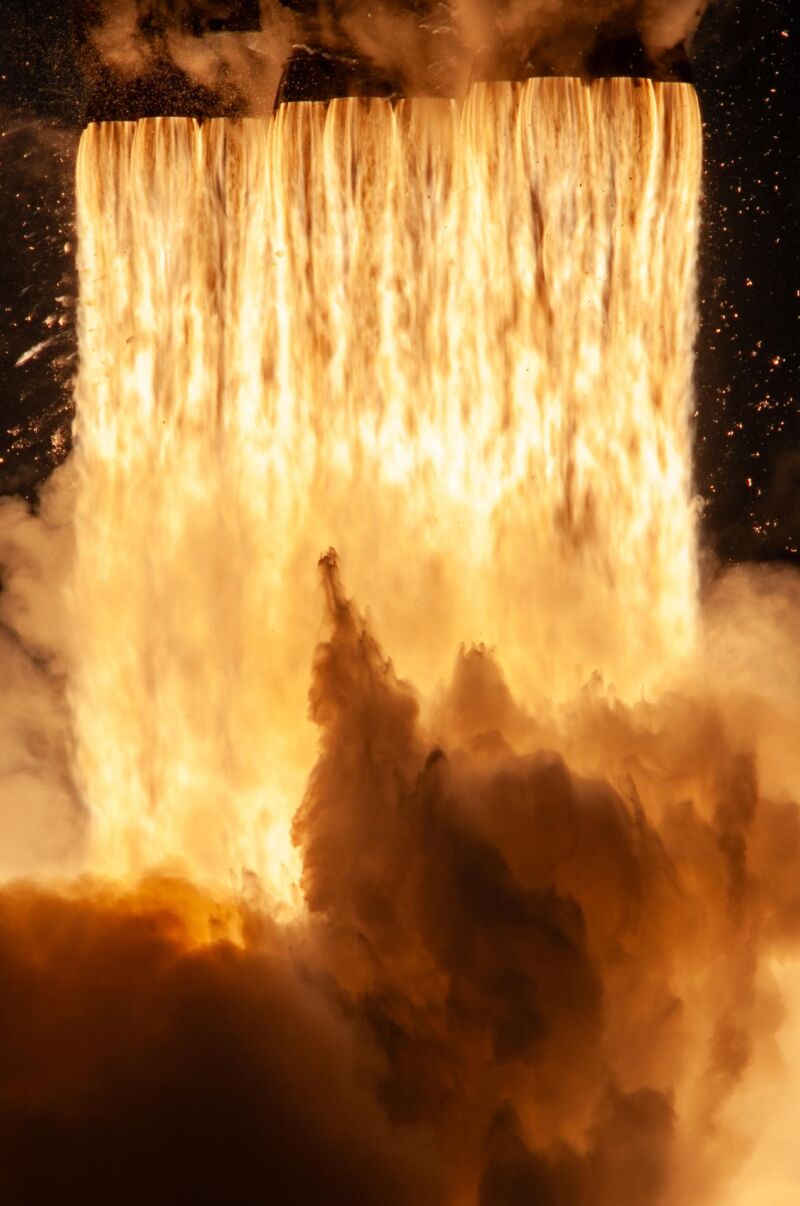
(744, 60)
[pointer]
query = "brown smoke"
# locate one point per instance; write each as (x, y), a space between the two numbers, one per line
(422, 45)
(139, 1067)
(532, 948)
(518, 983)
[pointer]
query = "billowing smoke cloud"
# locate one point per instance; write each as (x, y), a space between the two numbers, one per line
(137, 1067)
(416, 45)
(532, 948)
(517, 981)
(537, 962)
(152, 56)
(42, 824)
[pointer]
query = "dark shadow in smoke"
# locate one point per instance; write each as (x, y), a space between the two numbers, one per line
(495, 994)
(518, 940)
(137, 1069)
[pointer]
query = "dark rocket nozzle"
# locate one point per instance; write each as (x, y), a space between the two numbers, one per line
(316, 72)
(618, 55)
(162, 91)
(673, 65)
(611, 49)
(621, 52)
(323, 75)
(326, 65)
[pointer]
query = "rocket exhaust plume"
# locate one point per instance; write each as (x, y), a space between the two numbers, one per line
(454, 343)
(470, 898)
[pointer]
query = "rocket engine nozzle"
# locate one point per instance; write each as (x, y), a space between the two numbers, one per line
(322, 75)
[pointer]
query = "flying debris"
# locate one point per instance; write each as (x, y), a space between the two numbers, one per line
(618, 50)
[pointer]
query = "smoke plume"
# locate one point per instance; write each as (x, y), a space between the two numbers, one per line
(139, 1067)
(516, 981)
(418, 45)
(542, 951)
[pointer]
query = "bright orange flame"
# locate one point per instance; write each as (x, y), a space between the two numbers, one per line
(453, 341)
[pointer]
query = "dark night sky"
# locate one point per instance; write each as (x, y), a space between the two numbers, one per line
(748, 398)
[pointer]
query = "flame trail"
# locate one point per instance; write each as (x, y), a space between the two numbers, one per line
(539, 942)
(453, 341)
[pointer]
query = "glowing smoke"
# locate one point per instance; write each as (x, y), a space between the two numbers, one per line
(515, 983)
(535, 961)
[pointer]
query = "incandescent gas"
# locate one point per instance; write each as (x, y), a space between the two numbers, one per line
(452, 341)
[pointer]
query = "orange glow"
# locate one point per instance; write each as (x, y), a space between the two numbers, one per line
(451, 340)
